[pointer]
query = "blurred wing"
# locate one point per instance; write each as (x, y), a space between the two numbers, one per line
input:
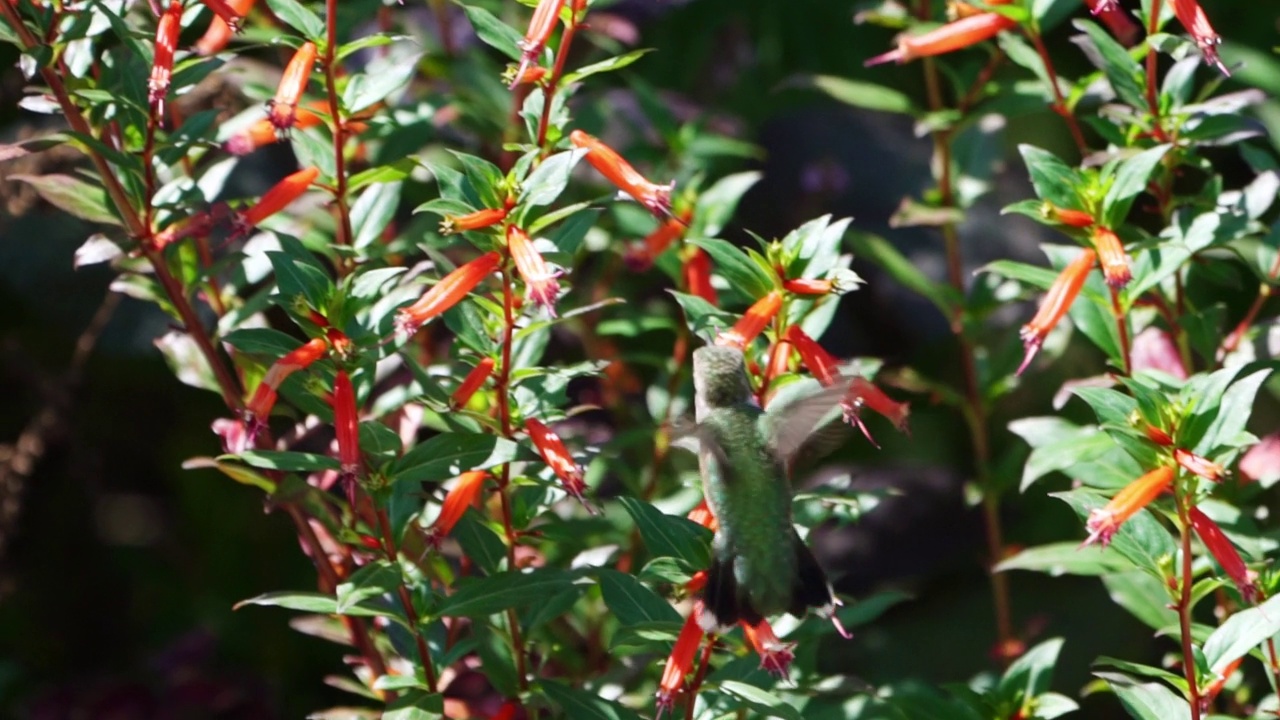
(812, 423)
(702, 440)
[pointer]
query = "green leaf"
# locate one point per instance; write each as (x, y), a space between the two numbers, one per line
(603, 66)
(369, 88)
(549, 179)
(304, 601)
(1065, 558)
(415, 705)
(479, 542)
(1109, 56)
(859, 94)
(369, 582)
(1147, 701)
(299, 18)
(1029, 676)
(583, 705)
(668, 535)
(493, 32)
(717, 203)
(1231, 416)
(495, 593)
(1129, 181)
(631, 601)
(450, 454)
(702, 317)
(1242, 632)
(736, 267)
(287, 460)
(878, 250)
(373, 211)
(72, 195)
(762, 701)
(1053, 179)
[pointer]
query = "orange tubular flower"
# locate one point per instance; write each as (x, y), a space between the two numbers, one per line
(557, 457)
(535, 39)
(779, 359)
(808, 286)
(225, 13)
(474, 380)
(753, 322)
(1157, 436)
(1105, 521)
(1055, 304)
(697, 276)
(539, 279)
(656, 242)
(446, 293)
(704, 517)
(346, 423)
(950, 37)
(282, 110)
(1065, 216)
(1112, 257)
(1194, 19)
(278, 197)
(1197, 465)
(606, 161)
(220, 31)
(821, 363)
(478, 220)
(263, 132)
(1226, 554)
(680, 662)
(775, 656)
(523, 75)
(463, 495)
(162, 67)
(264, 398)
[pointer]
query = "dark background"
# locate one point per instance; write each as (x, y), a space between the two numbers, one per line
(118, 569)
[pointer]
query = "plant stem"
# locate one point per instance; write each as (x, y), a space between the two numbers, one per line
(503, 388)
(1184, 608)
(406, 601)
(339, 127)
(1153, 97)
(1059, 103)
(976, 412)
(549, 92)
(699, 676)
(1122, 329)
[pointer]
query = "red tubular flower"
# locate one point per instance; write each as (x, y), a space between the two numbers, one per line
(775, 656)
(680, 662)
(821, 363)
(220, 31)
(1112, 257)
(264, 398)
(1226, 554)
(753, 322)
(809, 286)
(1055, 304)
(779, 360)
(557, 457)
(704, 517)
(1197, 465)
(697, 276)
(1157, 436)
(225, 13)
(1194, 19)
(197, 225)
(535, 39)
(282, 110)
(1066, 216)
(1105, 521)
(864, 394)
(463, 495)
(346, 423)
(1116, 20)
(672, 229)
(606, 161)
(162, 67)
(472, 382)
(446, 293)
(1211, 691)
(950, 37)
(278, 198)
(696, 583)
(480, 219)
(539, 279)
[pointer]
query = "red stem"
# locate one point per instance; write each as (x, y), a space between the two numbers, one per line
(549, 92)
(1059, 103)
(1184, 609)
(1122, 328)
(339, 127)
(406, 601)
(704, 663)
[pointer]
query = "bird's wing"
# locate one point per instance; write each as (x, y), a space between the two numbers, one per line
(806, 419)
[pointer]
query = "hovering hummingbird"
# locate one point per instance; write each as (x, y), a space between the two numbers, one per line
(760, 566)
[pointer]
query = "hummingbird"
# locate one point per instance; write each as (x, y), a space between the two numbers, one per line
(760, 567)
